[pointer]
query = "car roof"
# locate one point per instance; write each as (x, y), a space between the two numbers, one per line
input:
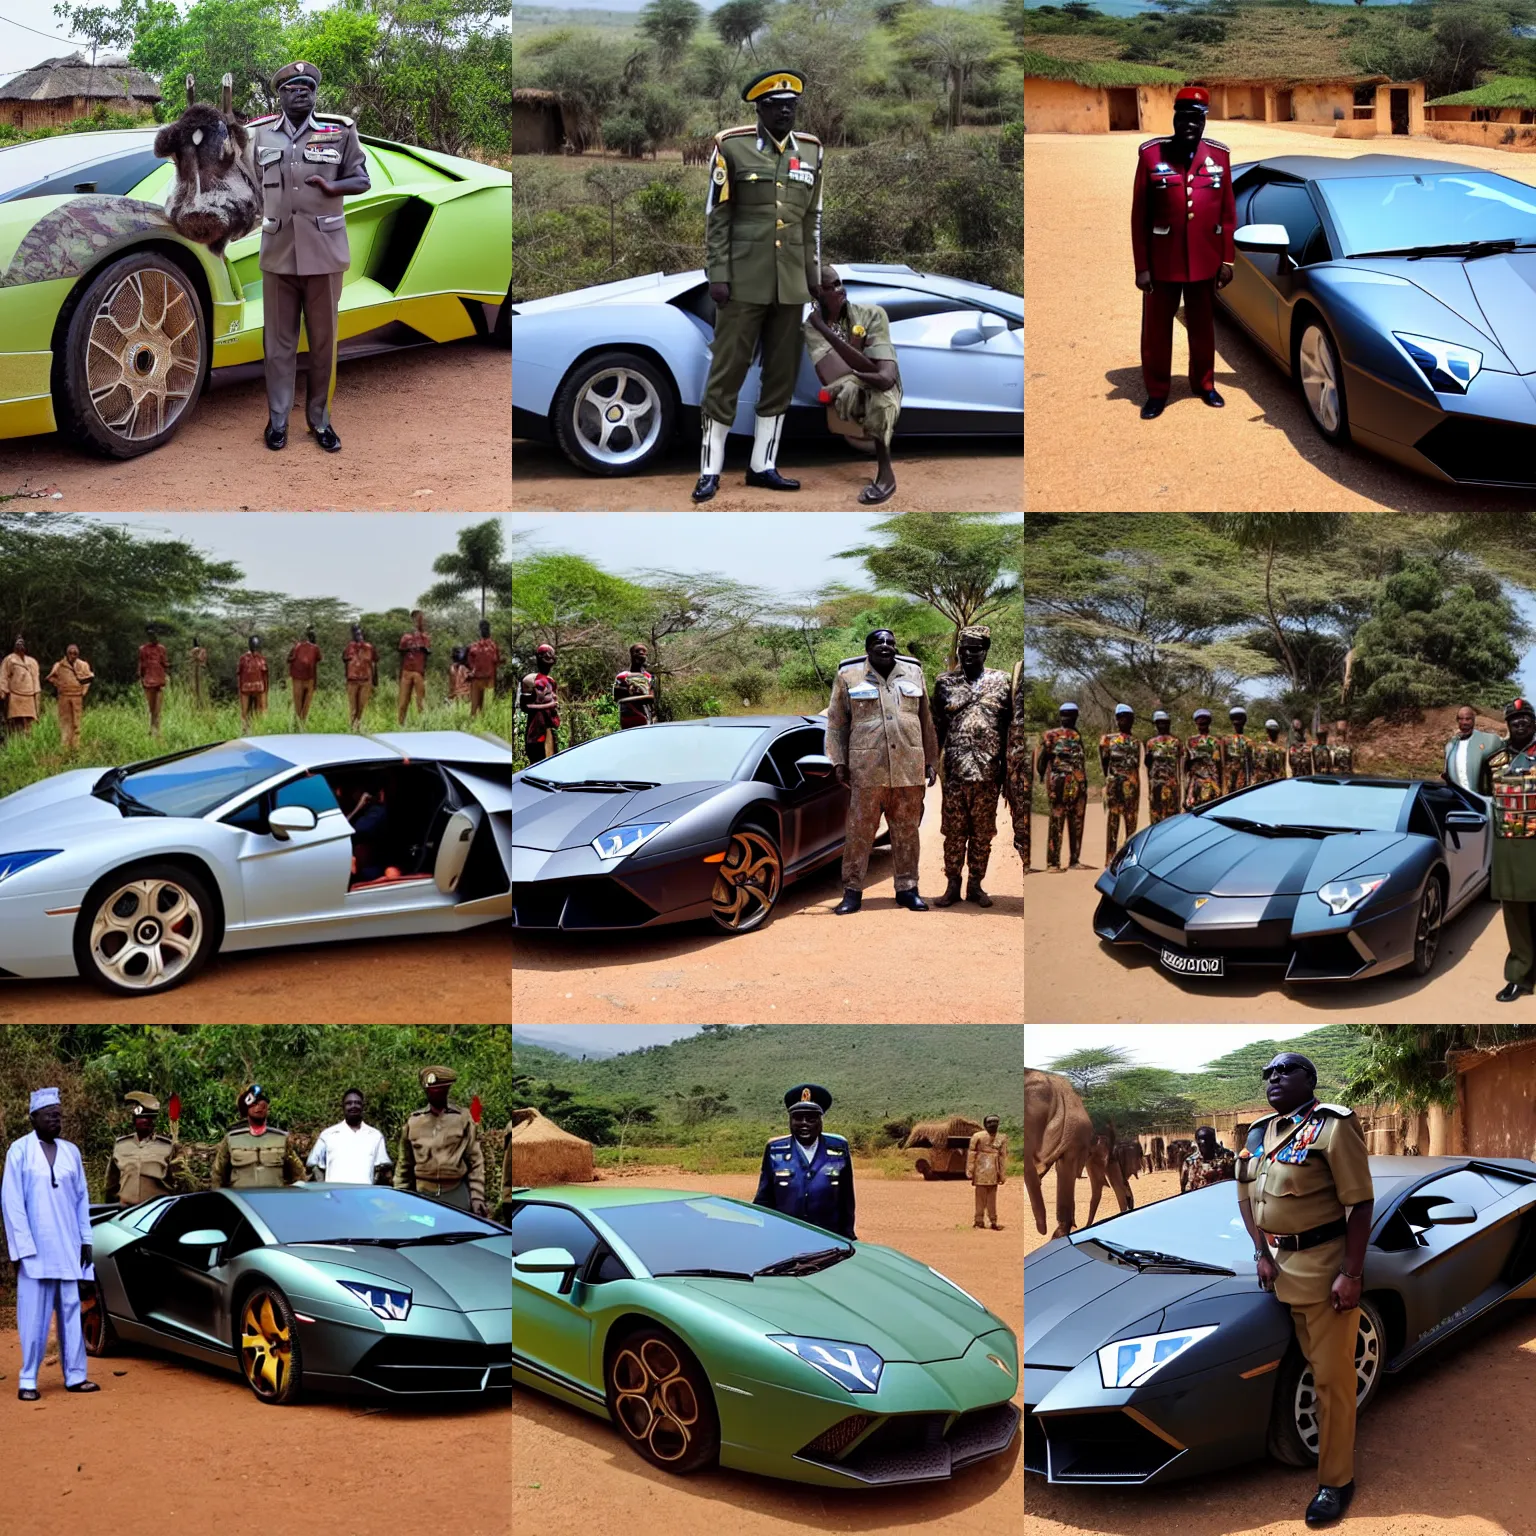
(318, 751)
(1342, 167)
(591, 1197)
(724, 722)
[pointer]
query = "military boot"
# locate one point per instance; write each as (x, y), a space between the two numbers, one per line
(975, 893)
(851, 902)
(951, 893)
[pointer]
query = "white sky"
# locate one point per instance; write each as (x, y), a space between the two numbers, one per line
(1175, 1047)
(608, 1037)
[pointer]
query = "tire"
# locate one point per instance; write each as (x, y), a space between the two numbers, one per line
(1320, 377)
(1293, 1427)
(924, 1167)
(626, 382)
(1429, 927)
(267, 1342)
(650, 1367)
(501, 332)
(95, 1325)
(750, 881)
(132, 358)
(181, 911)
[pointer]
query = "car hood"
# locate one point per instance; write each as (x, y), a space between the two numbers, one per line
(654, 288)
(552, 819)
(1205, 858)
(467, 1277)
(48, 810)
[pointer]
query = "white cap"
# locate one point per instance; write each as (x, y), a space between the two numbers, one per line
(1062, 708)
(1235, 711)
(1124, 709)
(42, 1097)
(1271, 725)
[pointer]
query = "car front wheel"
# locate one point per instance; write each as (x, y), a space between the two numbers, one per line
(659, 1397)
(1426, 934)
(748, 883)
(268, 1341)
(95, 1326)
(144, 929)
(1322, 382)
(1294, 1425)
(615, 413)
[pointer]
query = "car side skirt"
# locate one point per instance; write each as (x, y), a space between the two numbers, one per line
(526, 1372)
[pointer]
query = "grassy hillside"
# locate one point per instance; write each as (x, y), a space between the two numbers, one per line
(1234, 1078)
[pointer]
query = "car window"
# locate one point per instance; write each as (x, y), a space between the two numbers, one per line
(791, 747)
(193, 783)
(1388, 213)
(551, 1226)
(1316, 802)
(1436, 802)
(711, 1233)
(768, 772)
(1467, 1186)
(309, 790)
(1288, 204)
(116, 162)
(656, 754)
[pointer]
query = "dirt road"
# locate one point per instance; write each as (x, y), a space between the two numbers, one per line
(425, 980)
(167, 1445)
(423, 430)
(1436, 1453)
(878, 966)
(1089, 449)
(572, 1472)
(1074, 979)
(938, 476)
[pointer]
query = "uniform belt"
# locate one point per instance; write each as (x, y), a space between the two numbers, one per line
(447, 1180)
(1291, 1242)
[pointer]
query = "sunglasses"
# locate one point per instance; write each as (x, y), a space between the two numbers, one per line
(1273, 1072)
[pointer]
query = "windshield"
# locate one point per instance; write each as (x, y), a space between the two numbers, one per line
(1304, 803)
(324, 1215)
(712, 1233)
(667, 754)
(1388, 213)
(21, 165)
(196, 784)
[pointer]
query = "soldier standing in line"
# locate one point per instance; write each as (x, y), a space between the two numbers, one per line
(539, 698)
(1341, 755)
(255, 1154)
(972, 709)
(361, 662)
(1021, 769)
(1209, 1163)
(634, 691)
(153, 662)
(1298, 755)
(1509, 779)
(484, 657)
(883, 747)
(198, 657)
(1164, 753)
(458, 676)
(762, 226)
(441, 1153)
(1202, 764)
(1268, 756)
(251, 679)
(1236, 753)
(809, 1173)
(1120, 761)
(144, 1165)
(1062, 762)
(415, 646)
(303, 670)
(71, 680)
(1322, 753)
(20, 689)
(986, 1166)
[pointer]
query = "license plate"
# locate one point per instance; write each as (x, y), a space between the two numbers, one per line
(1194, 965)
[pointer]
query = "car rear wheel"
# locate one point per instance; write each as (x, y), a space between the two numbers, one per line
(1294, 1430)
(1322, 381)
(133, 358)
(144, 929)
(615, 413)
(748, 883)
(96, 1327)
(659, 1397)
(268, 1342)
(1426, 935)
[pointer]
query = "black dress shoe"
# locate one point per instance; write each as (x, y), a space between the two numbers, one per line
(1510, 991)
(84, 1386)
(328, 440)
(1328, 1504)
(911, 901)
(1152, 408)
(772, 480)
(851, 902)
(1211, 397)
(276, 437)
(705, 487)
(28, 1394)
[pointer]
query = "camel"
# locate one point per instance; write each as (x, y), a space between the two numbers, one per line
(217, 194)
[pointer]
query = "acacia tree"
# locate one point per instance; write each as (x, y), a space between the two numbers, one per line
(476, 563)
(954, 45)
(737, 21)
(669, 24)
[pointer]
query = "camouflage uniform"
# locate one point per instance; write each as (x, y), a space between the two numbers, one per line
(1021, 769)
(1120, 758)
(1236, 763)
(1064, 767)
(971, 722)
(1198, 1172)
(1302, 758)
(1511, 779)
(1163, 753)
(1268, 762)
(1341, 758)
(1202, 771)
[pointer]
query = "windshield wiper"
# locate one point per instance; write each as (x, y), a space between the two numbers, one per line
(717, 1274)
(606, 784)
(807, 1263)
(528, 778)
(1471, 249)
(1150, 1259)
(1276, 829)
(109, 787)
(433, 1237)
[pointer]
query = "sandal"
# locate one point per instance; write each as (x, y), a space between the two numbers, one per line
(872, 495)
(84, 1386)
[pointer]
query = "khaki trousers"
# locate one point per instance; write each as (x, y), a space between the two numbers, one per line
(480, 689)
(358, 695)
(903, 808)
(252, 703)
(412, 685)
(152, 698)
(986, 1204)
(738, 329)
(1327, 1339)
(69, 719)
(303, 693)
(285, 300)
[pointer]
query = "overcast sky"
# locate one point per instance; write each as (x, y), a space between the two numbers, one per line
(1175, 1047)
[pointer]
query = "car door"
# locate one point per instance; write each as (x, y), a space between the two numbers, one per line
(551, 1332)
(180, 1289)
(299, 876)
(819, 806)
(963, 369)
(1260, 293)
(1466, 852)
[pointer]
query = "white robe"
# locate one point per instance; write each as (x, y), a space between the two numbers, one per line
(47, 1211)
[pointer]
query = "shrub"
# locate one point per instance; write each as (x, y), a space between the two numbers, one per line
(627, 134)
(1010, 144)
(661, 201)
(749, 684)
(690, 700)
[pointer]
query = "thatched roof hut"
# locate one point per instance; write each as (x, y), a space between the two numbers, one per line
(60, 90)
(538, 121)
(544, 1154)
(936, 1133)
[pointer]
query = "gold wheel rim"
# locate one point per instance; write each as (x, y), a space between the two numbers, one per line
(266, 1347)
(654, 1401)
(143, 354)
(748, 883)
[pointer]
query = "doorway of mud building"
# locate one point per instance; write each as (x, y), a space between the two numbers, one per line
(1123, 114)
(1399, 110)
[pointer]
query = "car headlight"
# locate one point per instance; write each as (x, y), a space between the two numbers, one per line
(1133, 1362)
(14, 863)
(854, 1367)
(1448, 367)
(951, 1284)
(1339, 896)
(1130, 854)
(382, 1300)
(622, 841)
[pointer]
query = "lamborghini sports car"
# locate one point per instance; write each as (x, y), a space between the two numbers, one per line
(1329, 878)
(1400, 294)
(111, 322)
(1150, 1353)
(317, 1287)
(136, 876)
(611, 373)
(708, 1330)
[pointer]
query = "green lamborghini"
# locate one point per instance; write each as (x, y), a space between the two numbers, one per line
(708, 1330)
(111, 322)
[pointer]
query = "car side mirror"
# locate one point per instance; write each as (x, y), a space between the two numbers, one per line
(548, 1261)
(974, 336)
(1272, 238)
(287, 819)
(816, 767)
(204, 1237)
(1449, 1215)
(1465, 821)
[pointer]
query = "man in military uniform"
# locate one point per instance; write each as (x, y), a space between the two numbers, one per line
(307, 166)
(1268, 756)
(1209, 1163)
(441, 1154)
(1301, 1167)
(70, 679)
(986, 1166)
(809, 1173)
(1164, 754)
(251, 679)
(20, 688)
(1236, 753)
(1182, 221)
(1341, 755)
(539, 698)
(762, 237)
(153, 677)
(1509, 778)
(1299, 754)
(883, 747)
(198, 658)
(1062, 764)
(634, 691)
(303, 670)
(144, 1165)
(972, 708)
(1021, 769)
(361, 662)
(255, 1154)
(1120, 760)
(1202, 764)
(483, 658)
(1322, 753)
(415, 646)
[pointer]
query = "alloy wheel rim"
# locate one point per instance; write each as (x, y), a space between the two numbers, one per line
(142, 355)
(146, 934)
(747, 886)
(1318, 381)
(1429, 922)
(266, 1347)
(1367, 1367)
(615, 428)
(654, 1401)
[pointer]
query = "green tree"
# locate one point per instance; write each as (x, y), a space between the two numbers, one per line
(102, 26)
(669, 24)
(1410, 1064)
(711, 72)
(738, 21)
(954, 44)
(698, 1104)
(476, 565)
(1092, 1066)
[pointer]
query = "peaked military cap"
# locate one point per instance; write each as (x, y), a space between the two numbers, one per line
(1518, 707)
(252, 1094)
(431, 1075)
(146, 1103)
(774, 82)
(808, 1094)
(293, 71)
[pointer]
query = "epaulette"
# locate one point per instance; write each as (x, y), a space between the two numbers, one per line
(256, 122)
(128, 1137)
(1343, 1111)
(1148, 143)
(830, 1136)
(809, 137)
(779, 1141)
(1216, 142)
(851, 661)
(730, 133)
(334, 117)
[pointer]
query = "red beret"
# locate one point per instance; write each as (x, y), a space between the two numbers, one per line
(1193, 93)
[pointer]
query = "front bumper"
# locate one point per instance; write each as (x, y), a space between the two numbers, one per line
(572, 888)
(37, 931)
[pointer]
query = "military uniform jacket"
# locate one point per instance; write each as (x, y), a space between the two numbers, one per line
(986, 1159)
(879, 728)
(1268, 761)
(970, 721)
(1182, 221)
(1063, 765)
(1163, 753)
(1120, 756)
(439, 1152)
(762, 220)
(144, 1170)
(1020, 764)
(247, 1161)
(304, 230)
(1509, 777)
(1302, 758)
(1236, 763)
(820, 1192)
